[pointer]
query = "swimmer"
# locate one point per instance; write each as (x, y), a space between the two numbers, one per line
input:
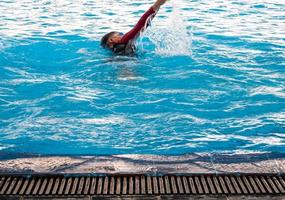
(124, 43)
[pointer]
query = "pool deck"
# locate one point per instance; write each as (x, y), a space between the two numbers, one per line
(151, 164)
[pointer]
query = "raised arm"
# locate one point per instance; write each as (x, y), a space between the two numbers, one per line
(143, 22)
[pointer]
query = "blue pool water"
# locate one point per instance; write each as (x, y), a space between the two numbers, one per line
(209, 77)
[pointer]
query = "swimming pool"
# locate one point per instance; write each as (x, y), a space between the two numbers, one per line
(208, 77)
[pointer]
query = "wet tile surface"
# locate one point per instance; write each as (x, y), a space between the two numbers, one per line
(132, 163)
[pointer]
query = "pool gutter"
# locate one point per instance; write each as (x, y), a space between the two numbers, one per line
(141, 186)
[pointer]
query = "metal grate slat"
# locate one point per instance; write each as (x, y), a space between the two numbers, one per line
(271, 183)
(269, 190)
(229, 185)
(93, 185)
(11, 186)
(100, 185)
(173, 185)
(30, 187)
(180, 185)
(2, 182)
(143, 189)
(37, 187)
(149, 185)
(186, 185)
(5, 186)
(112, 186)
(167, 185)
(211, 185)
(68, 185)
(192, 185)
(80, 186)
(248, 186)
(131, 185)
(125, 186)
(241, 184)
(204, 184)
(24, 186)
(254, 185)
(259, 184)
(223, 185)
(17, 187)
(155, 185)
(161, 185)
(74, 185)
(217, 185)
(118, 185)
(281, 180)
(106, 185)
(198, 184)
(49, 186)
(56, 186)
(276, 181)
(62, 185)
(237, 189)
(137, 185)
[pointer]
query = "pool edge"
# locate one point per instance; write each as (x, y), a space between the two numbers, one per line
(149, 164)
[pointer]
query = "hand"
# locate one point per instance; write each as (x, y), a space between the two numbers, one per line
(157, 4)
(162, 1)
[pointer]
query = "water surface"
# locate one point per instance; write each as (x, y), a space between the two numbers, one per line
(208, 77)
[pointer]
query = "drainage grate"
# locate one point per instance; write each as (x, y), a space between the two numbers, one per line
(27, 185)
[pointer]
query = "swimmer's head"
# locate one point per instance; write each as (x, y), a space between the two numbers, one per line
(110, 39)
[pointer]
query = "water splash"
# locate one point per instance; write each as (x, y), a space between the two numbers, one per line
(175, 38)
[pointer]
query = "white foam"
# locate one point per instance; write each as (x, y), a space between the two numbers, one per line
(174, 38)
